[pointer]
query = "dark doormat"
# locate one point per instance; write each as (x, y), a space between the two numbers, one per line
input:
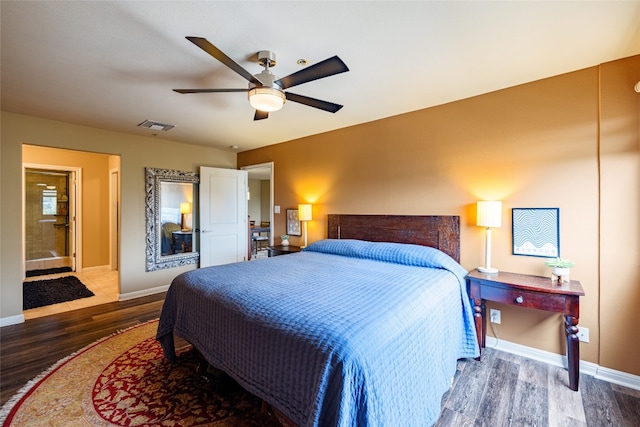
(33, 273)
(54, 291)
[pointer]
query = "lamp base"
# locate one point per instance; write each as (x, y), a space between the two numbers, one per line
(490, 270)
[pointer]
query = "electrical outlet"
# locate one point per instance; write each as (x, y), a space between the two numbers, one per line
(583, 334)
(495, 316)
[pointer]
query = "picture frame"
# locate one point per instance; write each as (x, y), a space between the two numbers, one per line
(293, 223)
(536, 232)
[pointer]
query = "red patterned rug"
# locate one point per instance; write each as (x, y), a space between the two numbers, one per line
(124, 380)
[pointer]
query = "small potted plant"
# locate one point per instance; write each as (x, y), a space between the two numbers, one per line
(561, 269)
(285, 239)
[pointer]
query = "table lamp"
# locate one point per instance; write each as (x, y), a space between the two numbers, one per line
(185, 208)
(489, 215)
(304, 215)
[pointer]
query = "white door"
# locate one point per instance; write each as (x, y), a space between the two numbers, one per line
(223, 216)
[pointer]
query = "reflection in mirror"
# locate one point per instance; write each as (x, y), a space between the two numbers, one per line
(176, 199)
(170, 207)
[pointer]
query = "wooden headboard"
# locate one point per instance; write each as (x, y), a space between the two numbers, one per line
(440, 232)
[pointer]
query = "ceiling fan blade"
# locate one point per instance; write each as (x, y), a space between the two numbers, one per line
(312, 102)
(209, 90)
(326, 68)
(205, 45)
(260, 115)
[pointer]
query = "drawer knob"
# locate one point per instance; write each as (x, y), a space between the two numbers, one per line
(519, 300)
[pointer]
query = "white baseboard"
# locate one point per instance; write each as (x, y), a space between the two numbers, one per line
(143, 293)
(589, 368)
(11, 320)
(618, 377)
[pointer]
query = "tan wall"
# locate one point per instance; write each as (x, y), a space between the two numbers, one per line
(136, 153)
(534, 145)
(95, 200)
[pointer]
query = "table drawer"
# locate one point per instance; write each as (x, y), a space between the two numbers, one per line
(541, 301)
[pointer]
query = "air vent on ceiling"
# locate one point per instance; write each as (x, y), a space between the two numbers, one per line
(153, 125)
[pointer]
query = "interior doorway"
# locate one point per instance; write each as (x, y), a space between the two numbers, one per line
(77, 193)
(50, 217)
(260, 205)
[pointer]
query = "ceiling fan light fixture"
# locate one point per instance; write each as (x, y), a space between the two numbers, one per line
(266, 98)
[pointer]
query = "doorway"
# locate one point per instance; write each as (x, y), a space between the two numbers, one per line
(88, 213)
(260, 206)
(50, 200)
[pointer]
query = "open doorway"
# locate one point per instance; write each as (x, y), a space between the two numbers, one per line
(260, 207)
(74, 197)
(50, 218)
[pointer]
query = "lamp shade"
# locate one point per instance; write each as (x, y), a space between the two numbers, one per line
(489, 213)
(266, 98)
(304, 212)
(185, 207)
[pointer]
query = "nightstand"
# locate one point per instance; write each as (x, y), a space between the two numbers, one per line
(532, 292)
(182, 241)
(282, 250)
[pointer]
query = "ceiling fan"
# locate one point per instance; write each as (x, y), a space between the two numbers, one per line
(267, 91)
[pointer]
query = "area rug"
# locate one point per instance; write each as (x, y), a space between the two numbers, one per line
(38, 293)
(44, 272)
(124, 380)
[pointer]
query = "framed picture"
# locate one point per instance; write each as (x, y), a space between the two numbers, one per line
(293, 223)
(536, 232)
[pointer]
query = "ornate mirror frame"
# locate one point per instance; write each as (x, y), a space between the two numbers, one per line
(154, 258)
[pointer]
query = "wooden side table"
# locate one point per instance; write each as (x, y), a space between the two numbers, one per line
(533, 292)
(182, 241)
(282, 250)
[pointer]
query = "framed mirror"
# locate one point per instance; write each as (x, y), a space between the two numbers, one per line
(170, 218)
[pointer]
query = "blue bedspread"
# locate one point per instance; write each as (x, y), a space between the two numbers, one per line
(345, 333)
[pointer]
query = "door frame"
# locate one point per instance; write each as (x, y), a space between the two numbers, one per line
(269, 165)
(75, 212)
(114, 218)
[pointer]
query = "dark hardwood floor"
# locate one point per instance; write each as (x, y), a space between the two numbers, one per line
(28, 348)
(501, 390)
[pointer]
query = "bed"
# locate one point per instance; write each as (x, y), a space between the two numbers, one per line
(362, 328)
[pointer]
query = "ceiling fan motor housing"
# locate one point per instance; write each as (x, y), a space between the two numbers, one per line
(267, 58)
(268, 79)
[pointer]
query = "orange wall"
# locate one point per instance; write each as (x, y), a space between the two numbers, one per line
(95, 200)
(620, 215)
(534, 145)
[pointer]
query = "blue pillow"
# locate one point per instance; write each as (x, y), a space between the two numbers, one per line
(398, 253)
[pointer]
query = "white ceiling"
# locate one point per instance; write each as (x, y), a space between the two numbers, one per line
(112, 64)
